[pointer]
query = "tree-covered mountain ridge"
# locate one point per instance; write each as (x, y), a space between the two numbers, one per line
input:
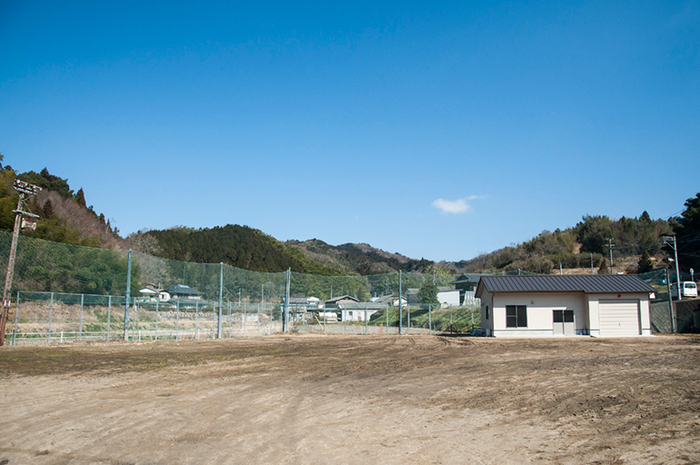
(65, 217)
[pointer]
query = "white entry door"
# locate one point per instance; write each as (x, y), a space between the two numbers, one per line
(563, 321)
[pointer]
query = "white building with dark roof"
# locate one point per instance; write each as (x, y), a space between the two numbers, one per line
(534, 306)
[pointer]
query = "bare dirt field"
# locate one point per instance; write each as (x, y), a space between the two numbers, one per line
(353, 400)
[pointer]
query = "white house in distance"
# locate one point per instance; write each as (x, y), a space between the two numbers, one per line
(534, 306)
(359, 311)
(448, 297)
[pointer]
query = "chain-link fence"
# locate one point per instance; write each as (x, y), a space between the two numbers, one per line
(44, 317)
(71, 293)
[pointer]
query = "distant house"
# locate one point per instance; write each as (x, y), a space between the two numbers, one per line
(303, 304)
(333, 303)
(390, 300)
(412, 295)
(448, 297)
(151, 294)
(181, 292)
(533, 306)
(359, 311)
(466, 285)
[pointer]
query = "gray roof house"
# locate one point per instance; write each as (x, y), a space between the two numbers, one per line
(534, 306)
(182, 291)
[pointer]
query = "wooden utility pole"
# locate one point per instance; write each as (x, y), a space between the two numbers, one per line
(25, 190)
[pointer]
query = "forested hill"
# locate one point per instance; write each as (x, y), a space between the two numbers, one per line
(63, 214)
(251, 249)
(578, 246)
(363, 258)
(65, 217)
(239, 246)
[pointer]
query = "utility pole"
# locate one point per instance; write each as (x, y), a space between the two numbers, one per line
(667, 241)
(610, 246)
(25, 189)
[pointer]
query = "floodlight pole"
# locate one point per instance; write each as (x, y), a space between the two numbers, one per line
(25, 189)
(667, 241)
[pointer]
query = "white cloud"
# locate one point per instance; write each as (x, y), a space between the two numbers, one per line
(453, 206)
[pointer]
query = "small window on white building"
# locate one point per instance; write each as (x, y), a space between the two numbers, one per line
(516, 316)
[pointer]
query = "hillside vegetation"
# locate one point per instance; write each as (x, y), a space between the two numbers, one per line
(65, 218)
(579, 246)
(239, 246)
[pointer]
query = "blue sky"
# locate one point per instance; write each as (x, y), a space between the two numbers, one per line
(434, 129)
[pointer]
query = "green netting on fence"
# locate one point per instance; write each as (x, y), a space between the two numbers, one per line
(81, 292)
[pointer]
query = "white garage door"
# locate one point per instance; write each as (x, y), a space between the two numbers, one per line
(619, 318)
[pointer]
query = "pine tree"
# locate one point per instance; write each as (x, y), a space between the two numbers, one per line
(47, 210)
(644, 265)
(80, 198)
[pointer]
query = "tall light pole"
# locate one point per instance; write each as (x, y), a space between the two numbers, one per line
(667, 241)
(25, 190)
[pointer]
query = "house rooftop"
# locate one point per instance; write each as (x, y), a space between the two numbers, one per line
(569, 283)
(183, 289)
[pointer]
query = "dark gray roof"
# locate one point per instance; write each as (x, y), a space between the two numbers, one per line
(335, 300)
(182, 289)
(466, 278)
(567, 283)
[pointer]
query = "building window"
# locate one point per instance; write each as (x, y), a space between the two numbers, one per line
(487, 312)
(516, 316)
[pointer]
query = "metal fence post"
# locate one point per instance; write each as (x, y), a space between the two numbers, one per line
(408, 318)
(135, 324)
(109, 314)
(387, 317)
(14, 329)
(80, 330)
(128, 297)
(229, 318)
(400, 307)
(214, 331)
(157, 314)
(177, 323)
(48, 338)
(285, 317)
(430, 319)
(221, 297)
(196, 319)
(245, 316)
(671, 308)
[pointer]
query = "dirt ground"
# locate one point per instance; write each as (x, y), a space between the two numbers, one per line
(353, 400)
